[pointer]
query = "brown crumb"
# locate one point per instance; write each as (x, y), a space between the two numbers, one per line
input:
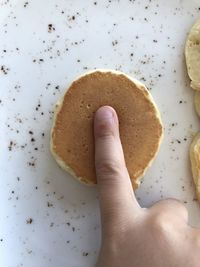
(4, 69)
(51, 28)
(114, 42)
(85, 254)
(25, 4)
(29, 221)
(49, 204)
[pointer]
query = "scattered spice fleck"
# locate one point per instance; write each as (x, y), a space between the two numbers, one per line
(10, 146)
(51, 28)
(49, 204)
(85, 254)
(25, 4)
(29, 221)
(31, 164)
(4, 69)
(114, 42)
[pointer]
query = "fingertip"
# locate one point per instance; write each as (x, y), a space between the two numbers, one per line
(115, 189)
(105, 112)
(105, 121)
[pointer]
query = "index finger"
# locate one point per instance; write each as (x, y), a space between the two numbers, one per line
(116, 195)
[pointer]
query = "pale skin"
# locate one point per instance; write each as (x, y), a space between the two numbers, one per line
(132, 236)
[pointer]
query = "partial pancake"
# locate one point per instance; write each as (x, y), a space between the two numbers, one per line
(72, 140)
(195, 162)
(197, 102)
(192, 54)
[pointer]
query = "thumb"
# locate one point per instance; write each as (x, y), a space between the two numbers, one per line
(115, 190)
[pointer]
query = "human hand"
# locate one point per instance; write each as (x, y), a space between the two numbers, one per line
(133, 236)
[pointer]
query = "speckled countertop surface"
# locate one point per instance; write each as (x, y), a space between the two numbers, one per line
(46, 217)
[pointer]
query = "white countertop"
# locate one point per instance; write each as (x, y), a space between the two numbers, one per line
(46, 217)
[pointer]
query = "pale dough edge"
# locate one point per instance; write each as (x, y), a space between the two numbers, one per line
(58, 106)
(193, 84)
(197, 102)
(195, 162)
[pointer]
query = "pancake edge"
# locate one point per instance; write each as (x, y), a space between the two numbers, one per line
(58, 106)
(194, 165)
(195, 85)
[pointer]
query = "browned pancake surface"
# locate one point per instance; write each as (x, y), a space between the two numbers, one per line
(140, 126)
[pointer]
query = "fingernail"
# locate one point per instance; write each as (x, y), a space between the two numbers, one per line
(105, 122)
(104, 113)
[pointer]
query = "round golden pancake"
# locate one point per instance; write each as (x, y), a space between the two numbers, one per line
(72, 138)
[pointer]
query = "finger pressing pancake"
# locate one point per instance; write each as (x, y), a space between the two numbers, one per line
(195, 162)
(72, 140)
(192, 54)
